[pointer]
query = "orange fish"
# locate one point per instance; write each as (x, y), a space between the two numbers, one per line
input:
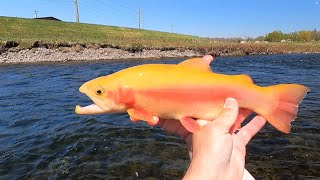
(188, 91)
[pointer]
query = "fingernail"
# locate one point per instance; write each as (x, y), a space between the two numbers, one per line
(229, 103)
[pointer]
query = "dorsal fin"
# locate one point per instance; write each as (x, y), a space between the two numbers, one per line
(244, 77)
(198, 63)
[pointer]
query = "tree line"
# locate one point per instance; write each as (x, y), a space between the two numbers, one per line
(277, 36)
(298, 36)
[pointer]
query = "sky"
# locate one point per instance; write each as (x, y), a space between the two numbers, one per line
(204, 18)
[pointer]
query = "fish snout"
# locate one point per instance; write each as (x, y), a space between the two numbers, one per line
(83, 88)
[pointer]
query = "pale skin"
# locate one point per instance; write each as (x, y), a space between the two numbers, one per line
(216, 151)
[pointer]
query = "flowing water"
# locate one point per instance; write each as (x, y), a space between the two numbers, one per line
(42, 138)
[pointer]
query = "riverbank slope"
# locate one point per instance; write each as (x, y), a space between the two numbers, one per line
(33, 40)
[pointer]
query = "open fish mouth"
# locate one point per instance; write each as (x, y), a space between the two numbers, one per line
(98, 107)
(91, 109)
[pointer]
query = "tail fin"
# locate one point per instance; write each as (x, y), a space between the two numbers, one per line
(287, 98)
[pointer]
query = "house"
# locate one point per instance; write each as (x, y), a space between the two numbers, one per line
(48, 18)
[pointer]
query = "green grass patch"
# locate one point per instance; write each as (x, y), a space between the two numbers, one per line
(27, 31)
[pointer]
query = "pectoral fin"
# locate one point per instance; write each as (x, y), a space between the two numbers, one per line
(136, 115)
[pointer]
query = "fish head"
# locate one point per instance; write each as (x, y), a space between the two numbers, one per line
(100, 91)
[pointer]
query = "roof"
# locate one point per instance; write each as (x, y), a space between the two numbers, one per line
(48, 18)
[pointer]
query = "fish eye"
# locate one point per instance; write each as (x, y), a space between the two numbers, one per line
(99, 91)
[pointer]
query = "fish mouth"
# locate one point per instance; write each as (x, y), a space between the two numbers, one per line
(98, 107)
(90, 109)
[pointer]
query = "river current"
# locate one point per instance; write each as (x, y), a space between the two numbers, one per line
(41, 137)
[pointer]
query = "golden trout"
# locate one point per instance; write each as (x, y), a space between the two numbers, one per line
(188, 91)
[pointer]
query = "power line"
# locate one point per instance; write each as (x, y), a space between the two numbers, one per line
(122, 5)
(102, 2)
(102, 7)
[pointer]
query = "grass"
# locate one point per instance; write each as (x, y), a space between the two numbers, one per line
(28, 31)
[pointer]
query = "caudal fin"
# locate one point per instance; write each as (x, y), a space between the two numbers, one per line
(287, 99)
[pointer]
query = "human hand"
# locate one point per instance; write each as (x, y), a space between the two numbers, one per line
(218, 153)
(231, 145)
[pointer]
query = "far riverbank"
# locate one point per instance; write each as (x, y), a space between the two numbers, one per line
(35, 55)
(11, 52)
(25, 40)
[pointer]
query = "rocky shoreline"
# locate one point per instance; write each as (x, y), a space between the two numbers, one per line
(12, 52)
(86, 54)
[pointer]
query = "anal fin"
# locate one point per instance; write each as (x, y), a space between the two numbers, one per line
(190, 124)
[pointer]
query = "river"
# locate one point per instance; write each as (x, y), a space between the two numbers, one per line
(41, 137)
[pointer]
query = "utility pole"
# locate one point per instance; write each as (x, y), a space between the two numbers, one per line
(139, 18)
(76, 10)
(172, 28)
(35, 13)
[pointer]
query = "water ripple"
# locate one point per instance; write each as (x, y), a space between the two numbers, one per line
(42, 138)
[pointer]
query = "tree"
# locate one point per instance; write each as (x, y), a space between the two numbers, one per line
(316, 35)
(260, 38)
(306, 36)
(275, 36)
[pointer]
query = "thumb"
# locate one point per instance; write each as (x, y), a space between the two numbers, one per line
(228, 116)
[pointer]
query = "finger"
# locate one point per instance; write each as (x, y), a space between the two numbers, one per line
(252, 128)
(228, 115)
(174, 127)
(207, 58)
(171, 126)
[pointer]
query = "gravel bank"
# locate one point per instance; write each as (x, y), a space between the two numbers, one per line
(85, 54)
